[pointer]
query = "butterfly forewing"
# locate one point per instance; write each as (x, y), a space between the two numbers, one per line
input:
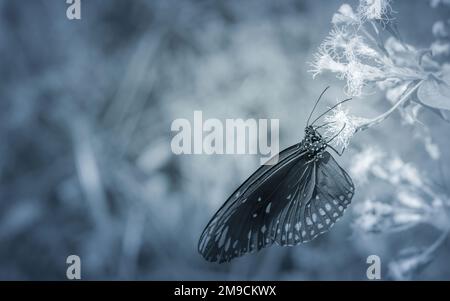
(234, 228)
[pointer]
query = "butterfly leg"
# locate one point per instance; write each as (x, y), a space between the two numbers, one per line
(337, 152)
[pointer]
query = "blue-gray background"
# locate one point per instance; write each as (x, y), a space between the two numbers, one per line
(86, 108)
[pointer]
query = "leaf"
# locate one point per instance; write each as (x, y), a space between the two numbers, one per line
(443, 114)
(435, 92)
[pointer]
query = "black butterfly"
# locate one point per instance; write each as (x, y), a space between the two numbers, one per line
(290, 202)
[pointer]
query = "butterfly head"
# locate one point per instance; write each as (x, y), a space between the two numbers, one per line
(313, 143)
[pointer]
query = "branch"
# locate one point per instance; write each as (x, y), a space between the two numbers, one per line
(386, 114)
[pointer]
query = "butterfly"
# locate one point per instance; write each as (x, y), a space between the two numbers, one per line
(287, 203)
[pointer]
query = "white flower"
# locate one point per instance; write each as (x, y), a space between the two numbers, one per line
(411, 202)
(440, 30)
(344, 16)
(347, 46)
(374, 10)
(357, 48)
(324, 62)
(432, 148)
(440, 48)
(363, 163)
(393, 216)
(399, 171)
(335, 43)
(358, 75)
(371, 215)
(351, 58)
(409, 199)
(341, 126)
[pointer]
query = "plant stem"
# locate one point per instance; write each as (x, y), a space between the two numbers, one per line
(386, 114)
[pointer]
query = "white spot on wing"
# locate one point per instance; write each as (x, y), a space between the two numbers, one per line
(268, 207)
(227, 245)
(223, 237)
(263, 228)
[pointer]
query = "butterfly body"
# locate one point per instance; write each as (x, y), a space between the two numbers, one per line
(287, 203)
(313, 143)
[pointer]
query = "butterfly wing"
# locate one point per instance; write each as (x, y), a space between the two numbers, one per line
(283, 203)
(248, 221)
(332, 193)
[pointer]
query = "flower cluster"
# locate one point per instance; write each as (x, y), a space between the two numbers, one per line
(359, 56)
(365, 49)
(357, 52)
(378, 10)
(342, 53)
(412, 202)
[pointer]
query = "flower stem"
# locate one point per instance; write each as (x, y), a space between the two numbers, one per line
(386, 114)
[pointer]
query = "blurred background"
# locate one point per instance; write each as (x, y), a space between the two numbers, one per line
(86, 108)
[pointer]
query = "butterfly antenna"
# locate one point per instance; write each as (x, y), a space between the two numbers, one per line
(315, 105)
(325, 124)
(337, 134)
(330, 109)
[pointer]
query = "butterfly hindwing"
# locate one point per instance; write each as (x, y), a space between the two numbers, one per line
(333, 192)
